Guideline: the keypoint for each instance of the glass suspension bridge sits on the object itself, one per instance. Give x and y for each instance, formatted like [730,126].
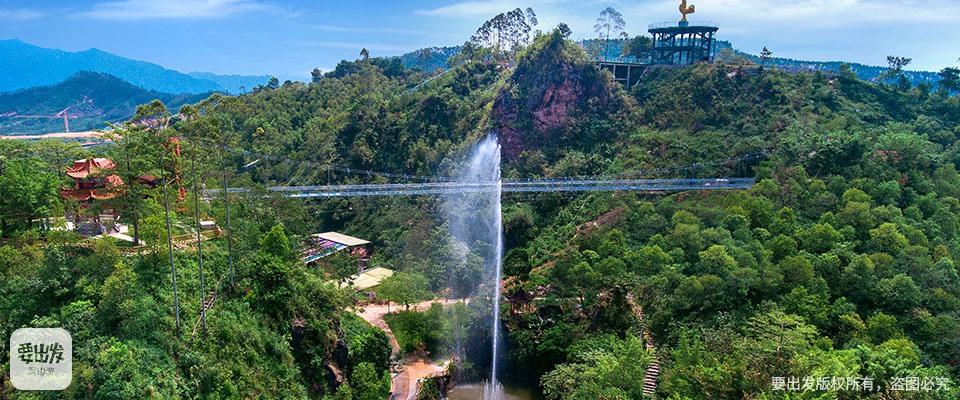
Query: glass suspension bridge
[505,186]
[663,180]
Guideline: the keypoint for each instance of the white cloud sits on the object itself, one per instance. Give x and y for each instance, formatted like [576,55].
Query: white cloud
[169,9]
[20,14]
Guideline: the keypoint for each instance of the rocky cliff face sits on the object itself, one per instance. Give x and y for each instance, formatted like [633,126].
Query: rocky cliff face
[552,87]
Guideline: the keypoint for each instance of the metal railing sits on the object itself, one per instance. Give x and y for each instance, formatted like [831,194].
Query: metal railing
[621,60]
[506,186]
[676,24]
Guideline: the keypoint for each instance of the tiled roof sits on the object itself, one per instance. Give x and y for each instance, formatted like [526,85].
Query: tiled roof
[82,168]
[86,194]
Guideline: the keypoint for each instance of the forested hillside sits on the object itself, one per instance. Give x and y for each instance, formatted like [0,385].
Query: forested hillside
[88,99]
[839,262]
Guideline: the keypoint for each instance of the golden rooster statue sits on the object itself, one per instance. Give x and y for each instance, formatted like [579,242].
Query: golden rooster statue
[686,10]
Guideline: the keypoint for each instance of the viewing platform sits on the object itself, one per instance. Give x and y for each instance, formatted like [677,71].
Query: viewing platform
[683,42]
[626,70]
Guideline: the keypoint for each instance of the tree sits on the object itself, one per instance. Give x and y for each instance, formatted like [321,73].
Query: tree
[765,56]
[716,261]
[373,347]
[564,30]
[134,159]
[29,188]
[506,32]
[273,83]
[610,23]
[531,19]
[886,238]
[583,277]
[316,75]
[404,288]
[949,81]
[640,47]
[604,367]
[846,71]
[368,384]
[275,242]
[779,336]
[819,238]
[897,63]
[883,327]
[364,53]
[895,68]
[154,120]
[899,294]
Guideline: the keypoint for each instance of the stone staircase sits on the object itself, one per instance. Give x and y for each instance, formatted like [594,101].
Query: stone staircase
[653,370]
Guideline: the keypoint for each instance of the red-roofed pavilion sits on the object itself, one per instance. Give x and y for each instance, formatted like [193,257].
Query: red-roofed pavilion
[88,188]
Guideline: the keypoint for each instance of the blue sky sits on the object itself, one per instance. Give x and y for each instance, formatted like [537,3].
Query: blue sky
[287,39]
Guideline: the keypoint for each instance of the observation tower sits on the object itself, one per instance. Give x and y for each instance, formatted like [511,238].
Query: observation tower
[683,42]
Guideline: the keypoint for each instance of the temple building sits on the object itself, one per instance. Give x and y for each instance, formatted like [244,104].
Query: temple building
[90,183]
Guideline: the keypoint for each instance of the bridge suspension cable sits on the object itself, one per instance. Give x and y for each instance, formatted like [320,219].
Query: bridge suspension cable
[506,186]
[680,171]
[676,178]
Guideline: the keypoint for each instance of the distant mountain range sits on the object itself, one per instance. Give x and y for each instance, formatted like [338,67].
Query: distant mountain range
[23,65]
[865,72]
[87,99]
[430,59]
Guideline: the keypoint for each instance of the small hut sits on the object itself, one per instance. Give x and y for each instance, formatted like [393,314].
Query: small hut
[320,245]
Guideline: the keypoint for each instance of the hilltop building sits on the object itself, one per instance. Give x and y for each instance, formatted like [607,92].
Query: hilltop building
[683,42]
[674,44]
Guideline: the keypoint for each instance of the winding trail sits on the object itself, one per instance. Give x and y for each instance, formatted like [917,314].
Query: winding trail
[404,382]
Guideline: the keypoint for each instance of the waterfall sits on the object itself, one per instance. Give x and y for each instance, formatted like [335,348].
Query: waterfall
[476,223]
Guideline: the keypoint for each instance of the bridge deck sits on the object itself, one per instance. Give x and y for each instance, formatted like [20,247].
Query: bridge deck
[506,186]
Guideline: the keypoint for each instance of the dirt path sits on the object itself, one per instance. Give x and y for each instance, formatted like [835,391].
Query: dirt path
[374,313]
[414,372]
[405,382]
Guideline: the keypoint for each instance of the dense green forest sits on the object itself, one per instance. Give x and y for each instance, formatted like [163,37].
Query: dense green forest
[839,262]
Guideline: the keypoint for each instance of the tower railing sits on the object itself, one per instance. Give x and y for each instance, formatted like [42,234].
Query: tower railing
[675,24]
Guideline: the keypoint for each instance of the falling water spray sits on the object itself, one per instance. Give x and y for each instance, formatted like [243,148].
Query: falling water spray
[476,224]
